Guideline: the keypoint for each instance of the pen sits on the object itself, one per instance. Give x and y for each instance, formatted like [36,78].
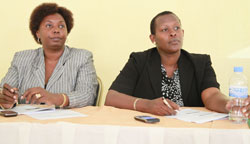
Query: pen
[166,102]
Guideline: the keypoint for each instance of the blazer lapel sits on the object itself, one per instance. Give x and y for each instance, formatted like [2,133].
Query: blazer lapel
[186,73]
[58,71]
[39,68]
[154,69]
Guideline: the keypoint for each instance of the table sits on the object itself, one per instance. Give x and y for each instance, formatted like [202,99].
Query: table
[111,125]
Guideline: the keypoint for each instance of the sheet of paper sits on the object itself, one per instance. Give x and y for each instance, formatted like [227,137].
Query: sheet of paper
[191,115]
[56,114]
[27,109]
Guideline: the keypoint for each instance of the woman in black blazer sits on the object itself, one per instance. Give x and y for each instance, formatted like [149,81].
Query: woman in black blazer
[162,79]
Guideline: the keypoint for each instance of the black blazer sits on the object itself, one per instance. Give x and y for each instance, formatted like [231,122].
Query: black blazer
[141,77]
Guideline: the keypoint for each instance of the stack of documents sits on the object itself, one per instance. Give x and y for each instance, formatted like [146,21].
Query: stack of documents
[44,112]
[29,109]
[191,115]
[57,114]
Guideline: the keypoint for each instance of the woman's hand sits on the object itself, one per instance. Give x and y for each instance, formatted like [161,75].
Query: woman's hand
[8,96]
[244,109]
[158,107]
[38,95]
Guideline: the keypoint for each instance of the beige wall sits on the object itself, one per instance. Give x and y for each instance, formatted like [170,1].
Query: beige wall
[112,29]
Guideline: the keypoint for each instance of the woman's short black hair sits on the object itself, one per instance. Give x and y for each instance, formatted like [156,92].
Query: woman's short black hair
[152,24]
[46,9]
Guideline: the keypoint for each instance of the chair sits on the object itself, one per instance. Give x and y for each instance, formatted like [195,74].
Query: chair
[98,92]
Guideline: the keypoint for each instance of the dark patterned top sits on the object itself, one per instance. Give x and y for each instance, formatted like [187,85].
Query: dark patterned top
[171,87]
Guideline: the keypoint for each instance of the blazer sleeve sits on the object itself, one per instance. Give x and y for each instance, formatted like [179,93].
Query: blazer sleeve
[209,77]
[126,81]
[86,83]
[11,76]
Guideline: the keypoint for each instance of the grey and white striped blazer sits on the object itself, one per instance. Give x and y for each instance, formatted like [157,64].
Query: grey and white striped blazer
[73,75]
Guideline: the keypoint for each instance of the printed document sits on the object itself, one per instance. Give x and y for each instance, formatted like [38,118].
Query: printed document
[44,112]
[56,114]
[29,108]
[197,116]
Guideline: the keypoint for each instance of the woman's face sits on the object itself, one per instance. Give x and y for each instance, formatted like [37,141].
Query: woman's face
[52,32]
[168,34]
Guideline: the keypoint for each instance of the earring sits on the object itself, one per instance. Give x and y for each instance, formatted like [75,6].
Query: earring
[38,40]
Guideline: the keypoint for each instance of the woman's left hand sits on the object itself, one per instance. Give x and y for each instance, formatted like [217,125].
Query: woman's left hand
[39,95]
[246,109]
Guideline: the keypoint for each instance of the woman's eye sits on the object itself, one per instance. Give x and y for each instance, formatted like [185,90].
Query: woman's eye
[48,25]
[176,28]
[164,30]
[61,26]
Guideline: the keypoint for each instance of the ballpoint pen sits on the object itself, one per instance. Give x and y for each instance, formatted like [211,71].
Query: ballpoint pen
[166,102]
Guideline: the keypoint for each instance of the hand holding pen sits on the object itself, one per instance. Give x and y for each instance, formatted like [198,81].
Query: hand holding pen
[8,96]
[158,106]
[176,107]
[166,102]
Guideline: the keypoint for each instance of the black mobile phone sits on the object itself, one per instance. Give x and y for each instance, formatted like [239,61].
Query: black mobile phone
[8,113]
[147,119]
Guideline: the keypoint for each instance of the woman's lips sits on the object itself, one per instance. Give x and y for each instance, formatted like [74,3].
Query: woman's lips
[174,41]
[55,39]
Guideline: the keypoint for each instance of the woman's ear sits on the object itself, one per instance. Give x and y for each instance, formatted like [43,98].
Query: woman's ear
[37,34]
[38,37]
[152,38]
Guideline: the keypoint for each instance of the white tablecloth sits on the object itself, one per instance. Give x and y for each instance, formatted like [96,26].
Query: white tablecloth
[109,125]
[69,133]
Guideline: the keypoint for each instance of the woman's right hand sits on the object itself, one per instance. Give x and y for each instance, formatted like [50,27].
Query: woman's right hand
[158,107]
[8,96]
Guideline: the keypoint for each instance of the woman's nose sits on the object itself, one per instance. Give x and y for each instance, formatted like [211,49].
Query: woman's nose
[173,33]
[56,30]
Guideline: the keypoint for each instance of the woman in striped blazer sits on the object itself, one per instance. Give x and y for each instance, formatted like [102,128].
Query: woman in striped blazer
[54,74]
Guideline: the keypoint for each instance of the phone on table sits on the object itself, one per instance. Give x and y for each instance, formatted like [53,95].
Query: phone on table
[8,113]
[147,119]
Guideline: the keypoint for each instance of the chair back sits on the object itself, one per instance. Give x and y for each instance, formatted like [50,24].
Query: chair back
[98,92]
